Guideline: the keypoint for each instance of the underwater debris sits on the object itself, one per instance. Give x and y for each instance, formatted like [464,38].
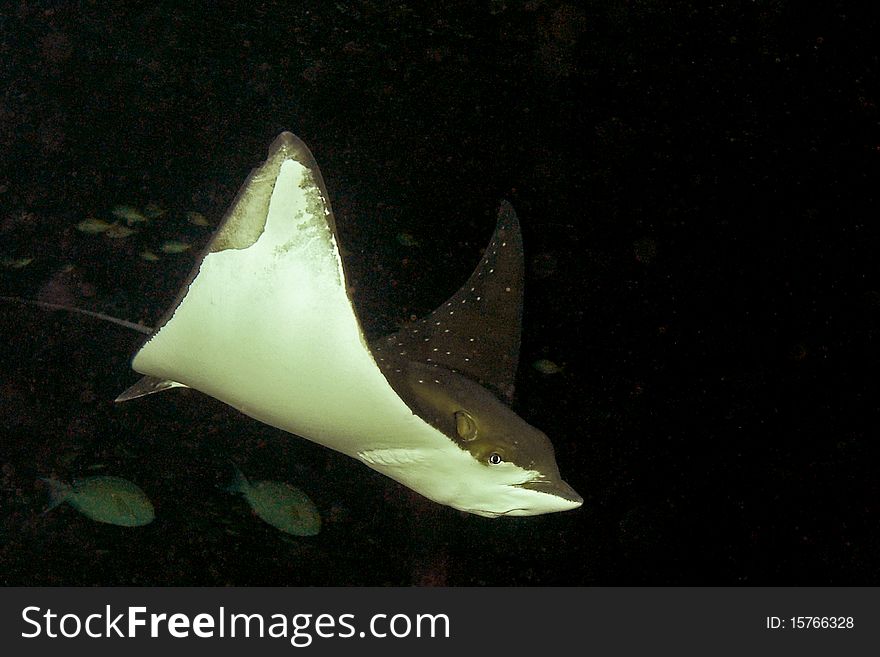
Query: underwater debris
[645,250]
[406,239]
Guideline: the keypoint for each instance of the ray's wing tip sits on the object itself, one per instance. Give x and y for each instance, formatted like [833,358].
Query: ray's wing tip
[507,215]
[288,145]
[286,140]
[127,395]
[505,207]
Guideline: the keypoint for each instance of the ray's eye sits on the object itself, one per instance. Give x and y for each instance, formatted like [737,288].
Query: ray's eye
[495,458]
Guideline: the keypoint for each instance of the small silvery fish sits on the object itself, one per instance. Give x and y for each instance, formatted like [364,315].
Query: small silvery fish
[119,232]
[113,500]
[16,263]
[173,246]
[197,218]
[546,366]
[153,211]
[279,504]
[92,225]
[131,214]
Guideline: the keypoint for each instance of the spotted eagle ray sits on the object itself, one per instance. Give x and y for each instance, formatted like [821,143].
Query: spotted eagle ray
[265,324]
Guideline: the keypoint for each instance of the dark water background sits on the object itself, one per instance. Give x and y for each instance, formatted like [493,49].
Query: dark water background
[697,187]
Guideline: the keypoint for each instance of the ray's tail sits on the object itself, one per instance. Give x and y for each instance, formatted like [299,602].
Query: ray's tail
[134,326]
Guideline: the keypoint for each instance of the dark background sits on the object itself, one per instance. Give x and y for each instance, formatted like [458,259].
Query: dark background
[696,184]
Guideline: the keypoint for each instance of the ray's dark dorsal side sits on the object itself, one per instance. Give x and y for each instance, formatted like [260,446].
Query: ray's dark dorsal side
[456,366]
[476,332]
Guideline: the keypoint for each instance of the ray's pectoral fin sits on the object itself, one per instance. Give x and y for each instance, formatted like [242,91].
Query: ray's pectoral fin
[147,385]
[477,331]
[455,369]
